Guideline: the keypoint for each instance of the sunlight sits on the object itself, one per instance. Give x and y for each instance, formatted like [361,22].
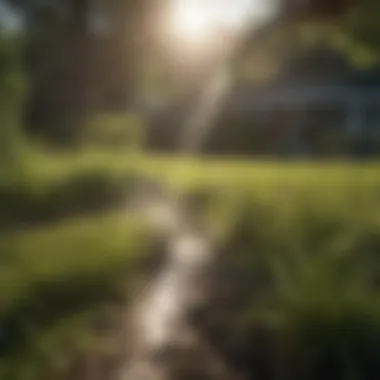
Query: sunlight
[197,20]
[193,21]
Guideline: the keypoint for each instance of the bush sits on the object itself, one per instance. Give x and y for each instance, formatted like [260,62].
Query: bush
[117,131]
[46,192]
[13,88]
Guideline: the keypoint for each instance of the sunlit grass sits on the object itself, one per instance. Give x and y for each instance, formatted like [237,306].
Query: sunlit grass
[306,236]
[75,248]
[53,280]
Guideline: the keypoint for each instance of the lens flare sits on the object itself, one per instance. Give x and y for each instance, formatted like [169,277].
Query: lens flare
[198,18]
[193,21]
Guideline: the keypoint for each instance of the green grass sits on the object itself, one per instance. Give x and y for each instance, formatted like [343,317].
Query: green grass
[51,187]
[304,236]
[54,278]
[306,239]
[75,248]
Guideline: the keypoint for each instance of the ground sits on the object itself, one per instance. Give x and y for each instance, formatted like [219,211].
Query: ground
[303,239]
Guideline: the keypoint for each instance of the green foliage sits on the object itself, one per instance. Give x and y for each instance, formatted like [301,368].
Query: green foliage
[55,278]
[304,240]
[51,279]
[116,131]
[45,191]
[12,95]
[73,68]
[356,33]
[362,24]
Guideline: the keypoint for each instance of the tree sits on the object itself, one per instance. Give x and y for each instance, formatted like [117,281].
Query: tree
[73,67]
[12,93]
[359,32]
[355,32]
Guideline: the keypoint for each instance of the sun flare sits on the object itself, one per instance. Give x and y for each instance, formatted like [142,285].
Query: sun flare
[198,20]
[193,21]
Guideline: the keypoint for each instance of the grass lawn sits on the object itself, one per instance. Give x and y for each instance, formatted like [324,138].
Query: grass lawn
[305,236]
[55,279]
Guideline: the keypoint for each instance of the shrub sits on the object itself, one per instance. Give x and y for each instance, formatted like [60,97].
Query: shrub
[39,196]
[117,131]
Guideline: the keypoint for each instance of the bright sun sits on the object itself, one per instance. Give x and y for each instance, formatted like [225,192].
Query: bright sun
[197,24]
[198,19]
[193,20]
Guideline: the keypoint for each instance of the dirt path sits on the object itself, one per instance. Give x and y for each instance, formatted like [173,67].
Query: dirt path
[163,344]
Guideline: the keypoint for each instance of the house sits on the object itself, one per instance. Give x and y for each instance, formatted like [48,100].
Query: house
[317,99]
[318,105]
